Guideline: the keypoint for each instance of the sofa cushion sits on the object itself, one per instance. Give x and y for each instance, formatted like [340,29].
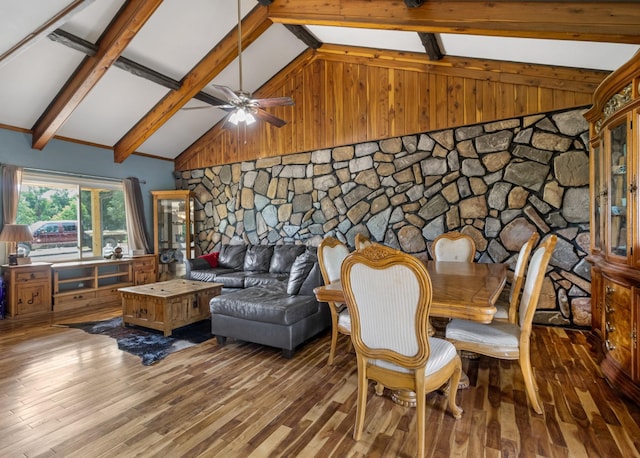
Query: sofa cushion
[284,256]
[258,258]
[233,279]
[269,305]
[299,271]
[264,279]
[208,274]
[232,256]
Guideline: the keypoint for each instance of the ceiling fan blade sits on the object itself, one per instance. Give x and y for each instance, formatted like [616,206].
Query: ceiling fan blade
[274,102]
[265,116]
[204,107]
[231,96]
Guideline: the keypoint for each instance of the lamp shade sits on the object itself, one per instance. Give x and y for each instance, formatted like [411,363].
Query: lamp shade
[16,233]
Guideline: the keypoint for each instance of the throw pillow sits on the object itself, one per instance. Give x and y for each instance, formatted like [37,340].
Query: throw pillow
[299,271]
[211,258]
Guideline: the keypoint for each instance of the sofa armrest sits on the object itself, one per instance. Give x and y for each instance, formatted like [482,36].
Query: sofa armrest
[194,264]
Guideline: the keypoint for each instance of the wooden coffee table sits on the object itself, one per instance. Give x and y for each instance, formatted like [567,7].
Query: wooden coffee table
[167,305]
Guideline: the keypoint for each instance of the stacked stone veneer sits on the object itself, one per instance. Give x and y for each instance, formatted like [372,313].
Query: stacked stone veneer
[497,182]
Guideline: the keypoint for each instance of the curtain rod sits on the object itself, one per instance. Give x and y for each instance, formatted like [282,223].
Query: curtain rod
[75,175]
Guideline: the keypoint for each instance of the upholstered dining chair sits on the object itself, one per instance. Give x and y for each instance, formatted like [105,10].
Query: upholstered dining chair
[508,340]
[331,253]
[507,305]
[453,246]
[389,297]
[362,241]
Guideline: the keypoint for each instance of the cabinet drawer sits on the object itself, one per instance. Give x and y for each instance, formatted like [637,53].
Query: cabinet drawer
[33,275]
[144,264]
[618,339]
[73,301]
[110,295]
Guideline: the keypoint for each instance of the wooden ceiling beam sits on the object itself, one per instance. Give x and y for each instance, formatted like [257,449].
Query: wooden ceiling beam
[617,22]
[304,35]
[253,25]
[431,45]
[75,42]
[111,44]
[547,76]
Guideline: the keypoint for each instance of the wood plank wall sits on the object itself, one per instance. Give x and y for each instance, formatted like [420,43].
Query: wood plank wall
[350,95]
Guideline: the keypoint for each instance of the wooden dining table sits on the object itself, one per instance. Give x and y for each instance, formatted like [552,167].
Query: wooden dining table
[459,290]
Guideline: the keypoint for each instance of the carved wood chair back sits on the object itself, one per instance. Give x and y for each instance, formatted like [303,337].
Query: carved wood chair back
[453,246]
[388,293]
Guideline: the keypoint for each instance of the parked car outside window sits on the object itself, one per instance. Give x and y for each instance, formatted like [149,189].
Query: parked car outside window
[51,234]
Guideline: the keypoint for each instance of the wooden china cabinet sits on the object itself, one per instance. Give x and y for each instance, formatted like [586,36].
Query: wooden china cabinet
[173,231]
[615,227]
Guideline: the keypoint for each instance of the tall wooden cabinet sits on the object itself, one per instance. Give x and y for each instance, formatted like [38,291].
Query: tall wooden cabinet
[615,226]
[173,229]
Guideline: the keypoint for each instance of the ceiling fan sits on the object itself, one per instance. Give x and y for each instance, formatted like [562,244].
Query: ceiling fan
[242,107]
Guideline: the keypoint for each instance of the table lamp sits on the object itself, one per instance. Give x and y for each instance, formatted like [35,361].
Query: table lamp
[12,234]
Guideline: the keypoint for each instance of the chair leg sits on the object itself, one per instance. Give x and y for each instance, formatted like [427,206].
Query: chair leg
[334,337]
[362,398]
[529,381]
[454,381]
[421,407]
[334,343]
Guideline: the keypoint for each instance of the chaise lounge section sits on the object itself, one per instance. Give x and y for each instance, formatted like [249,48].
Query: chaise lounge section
[267,294]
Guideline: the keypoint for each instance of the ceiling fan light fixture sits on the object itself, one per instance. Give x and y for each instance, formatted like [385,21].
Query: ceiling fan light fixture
[241,115]
[233,117]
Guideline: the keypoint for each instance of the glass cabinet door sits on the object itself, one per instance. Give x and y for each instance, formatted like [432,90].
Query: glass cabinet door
[617,228]
[173,237]
[597,196]
[172,227]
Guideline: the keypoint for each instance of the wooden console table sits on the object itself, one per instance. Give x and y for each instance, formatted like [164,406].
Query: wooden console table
[168,305]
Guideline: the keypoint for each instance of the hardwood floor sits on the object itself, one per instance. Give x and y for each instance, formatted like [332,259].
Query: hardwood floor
[72,394]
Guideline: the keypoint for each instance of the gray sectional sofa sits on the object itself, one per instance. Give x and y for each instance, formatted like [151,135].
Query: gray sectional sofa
[267,295]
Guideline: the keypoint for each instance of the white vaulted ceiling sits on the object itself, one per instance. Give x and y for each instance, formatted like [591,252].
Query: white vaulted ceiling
[179,33]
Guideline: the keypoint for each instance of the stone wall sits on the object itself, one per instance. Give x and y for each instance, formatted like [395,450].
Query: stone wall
[496,182]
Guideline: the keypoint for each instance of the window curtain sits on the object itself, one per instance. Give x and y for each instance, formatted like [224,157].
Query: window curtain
[11,183]
[136,224]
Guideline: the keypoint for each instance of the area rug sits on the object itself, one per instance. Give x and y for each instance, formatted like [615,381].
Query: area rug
[150,345]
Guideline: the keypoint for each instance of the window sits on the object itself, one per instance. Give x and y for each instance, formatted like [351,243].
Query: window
[71,218]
